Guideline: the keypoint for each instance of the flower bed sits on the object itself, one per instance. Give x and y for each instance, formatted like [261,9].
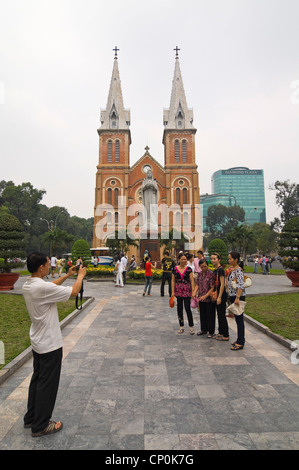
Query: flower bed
[100,270]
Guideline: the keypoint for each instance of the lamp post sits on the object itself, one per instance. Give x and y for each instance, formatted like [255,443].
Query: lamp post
[51,226]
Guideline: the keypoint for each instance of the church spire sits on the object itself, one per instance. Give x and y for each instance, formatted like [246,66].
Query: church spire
[178,116]
[115,116]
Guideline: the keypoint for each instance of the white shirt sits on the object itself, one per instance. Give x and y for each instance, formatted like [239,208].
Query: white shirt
[53,261]
[41,298]
[124,262]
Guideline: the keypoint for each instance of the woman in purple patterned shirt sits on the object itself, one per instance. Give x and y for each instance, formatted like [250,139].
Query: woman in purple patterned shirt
[182,287]
[203,290]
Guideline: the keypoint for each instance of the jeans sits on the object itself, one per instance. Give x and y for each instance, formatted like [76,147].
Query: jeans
[181,302]
[166,277]
[43,389]
[148,284]
[240,324]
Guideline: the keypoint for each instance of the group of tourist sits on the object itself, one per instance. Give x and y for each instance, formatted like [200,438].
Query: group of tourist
[208,291]
[195,285]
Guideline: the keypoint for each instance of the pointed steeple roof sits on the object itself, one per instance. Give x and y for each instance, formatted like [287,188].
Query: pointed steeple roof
[115,116]
[178,116]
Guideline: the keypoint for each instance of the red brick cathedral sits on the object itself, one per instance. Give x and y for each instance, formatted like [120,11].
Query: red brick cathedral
[118,191]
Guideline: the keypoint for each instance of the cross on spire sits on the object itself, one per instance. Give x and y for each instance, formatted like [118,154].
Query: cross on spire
[176,52]
[115,52]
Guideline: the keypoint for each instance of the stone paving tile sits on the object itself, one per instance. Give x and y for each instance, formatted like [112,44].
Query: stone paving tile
[129,382]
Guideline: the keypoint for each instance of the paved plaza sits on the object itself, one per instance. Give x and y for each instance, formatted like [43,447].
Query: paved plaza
[129,381]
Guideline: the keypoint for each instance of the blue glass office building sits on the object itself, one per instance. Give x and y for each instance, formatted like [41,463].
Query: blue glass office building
[246,187]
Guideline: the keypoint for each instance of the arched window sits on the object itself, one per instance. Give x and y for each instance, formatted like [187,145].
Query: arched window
[117,150]
[109,195]
[185,196]
[110,151]
[178,196]
[116,192]
[184,150]
[176,151]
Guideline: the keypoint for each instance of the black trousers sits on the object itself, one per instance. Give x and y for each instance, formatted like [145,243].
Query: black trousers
[222,321]
[166,277]
[181,302]
[207,317]
[43,389]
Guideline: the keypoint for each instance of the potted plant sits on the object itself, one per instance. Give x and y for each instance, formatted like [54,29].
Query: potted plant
[12,245]
[289,249]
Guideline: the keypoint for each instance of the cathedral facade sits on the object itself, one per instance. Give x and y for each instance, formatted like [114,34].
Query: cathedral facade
[118,191]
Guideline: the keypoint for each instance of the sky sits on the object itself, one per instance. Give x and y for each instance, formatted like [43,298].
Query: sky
[240,68]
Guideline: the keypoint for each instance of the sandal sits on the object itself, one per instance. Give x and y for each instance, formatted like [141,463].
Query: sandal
[211,335]
[221,338]
[200,333]
[236,347]
[50,429]
[181,330]
[192,331]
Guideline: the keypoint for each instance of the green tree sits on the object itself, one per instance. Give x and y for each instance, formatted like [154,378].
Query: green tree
[218,246]
[221,219]
[12,244]
[57,240]
[287,198]
[174,243]
[81,248]
[289,244]
[120,245]
[240,238]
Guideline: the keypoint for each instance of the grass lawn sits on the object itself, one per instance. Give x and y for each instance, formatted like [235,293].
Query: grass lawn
[15,323]
[280,313]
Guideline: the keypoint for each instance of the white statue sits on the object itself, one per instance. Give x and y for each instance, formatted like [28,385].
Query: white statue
[150,200]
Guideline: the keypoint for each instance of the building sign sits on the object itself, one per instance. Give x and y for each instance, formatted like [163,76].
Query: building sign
[241,171]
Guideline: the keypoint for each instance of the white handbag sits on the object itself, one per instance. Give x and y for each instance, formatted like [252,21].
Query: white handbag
[237,309]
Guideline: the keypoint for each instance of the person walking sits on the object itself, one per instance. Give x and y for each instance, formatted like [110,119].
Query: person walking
[256,264]
[235,273]
[221,298]
[264,264]
[124,261]
[119,273]
[45,335]
[148,275]
[167,265]
[182,286]
[204,287]
[53,265]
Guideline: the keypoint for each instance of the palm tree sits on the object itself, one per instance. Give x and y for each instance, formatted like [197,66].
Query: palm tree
[240,238]
[174,244]
[57,239]
[120,245]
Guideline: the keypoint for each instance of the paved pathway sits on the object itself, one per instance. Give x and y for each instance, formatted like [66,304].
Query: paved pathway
[130,382]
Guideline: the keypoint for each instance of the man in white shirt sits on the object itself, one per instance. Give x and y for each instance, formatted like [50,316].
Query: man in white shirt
[53,265]
[46,340]
[124,261]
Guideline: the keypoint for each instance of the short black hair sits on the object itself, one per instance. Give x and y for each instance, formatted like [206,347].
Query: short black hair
[166,253]
[199,251]
[202,261]
[35,260]
[235,255]
[182,254]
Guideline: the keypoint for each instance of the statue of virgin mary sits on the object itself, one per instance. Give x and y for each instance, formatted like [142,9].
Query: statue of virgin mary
[150,200]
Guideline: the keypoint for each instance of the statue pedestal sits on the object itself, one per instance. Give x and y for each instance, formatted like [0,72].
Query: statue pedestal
[153,247]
